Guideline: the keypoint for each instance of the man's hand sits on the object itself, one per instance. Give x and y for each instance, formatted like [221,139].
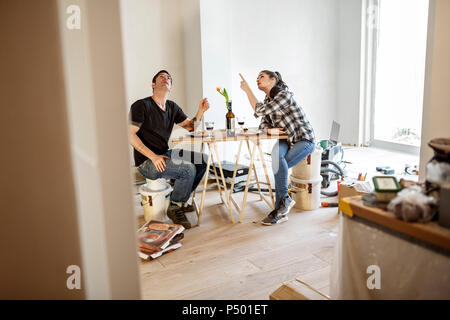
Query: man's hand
[276,131]
[159,163]
[204,105]
[244,84]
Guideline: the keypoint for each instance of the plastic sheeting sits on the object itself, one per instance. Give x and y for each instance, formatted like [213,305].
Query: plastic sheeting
[409,269]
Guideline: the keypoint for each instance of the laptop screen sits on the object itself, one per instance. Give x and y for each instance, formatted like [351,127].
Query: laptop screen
[334,135]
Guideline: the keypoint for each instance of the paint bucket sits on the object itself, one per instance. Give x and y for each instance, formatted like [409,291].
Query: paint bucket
[306,193]
[157,184]
[155,198]
[309,168]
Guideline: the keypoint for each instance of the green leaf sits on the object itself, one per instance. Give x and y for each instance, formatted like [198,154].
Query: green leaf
[225,94]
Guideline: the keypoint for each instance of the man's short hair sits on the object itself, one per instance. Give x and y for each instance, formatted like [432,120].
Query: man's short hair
[159,72]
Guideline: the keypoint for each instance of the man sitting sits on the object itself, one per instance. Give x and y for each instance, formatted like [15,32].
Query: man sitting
[152,121]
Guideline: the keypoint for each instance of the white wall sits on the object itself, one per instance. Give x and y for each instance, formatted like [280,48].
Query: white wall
[315,45]
[436,106]
[153,39]
[193,69]
[297,38]
[215,23]
[215,18]
[349,112]
[163,34]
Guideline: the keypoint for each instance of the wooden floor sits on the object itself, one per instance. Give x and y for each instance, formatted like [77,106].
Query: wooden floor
[222,260]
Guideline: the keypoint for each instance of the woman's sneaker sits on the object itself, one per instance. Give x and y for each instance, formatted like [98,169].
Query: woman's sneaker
[285,205]
[273,218]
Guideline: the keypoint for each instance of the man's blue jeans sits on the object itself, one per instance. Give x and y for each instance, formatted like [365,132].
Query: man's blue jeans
[185,167]
[284,158]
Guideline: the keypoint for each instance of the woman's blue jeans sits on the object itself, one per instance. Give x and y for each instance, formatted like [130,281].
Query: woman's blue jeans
[284,158]
[185,167]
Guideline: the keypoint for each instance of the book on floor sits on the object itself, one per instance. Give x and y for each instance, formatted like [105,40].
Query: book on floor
[155,236]
[173,245]
[168,249]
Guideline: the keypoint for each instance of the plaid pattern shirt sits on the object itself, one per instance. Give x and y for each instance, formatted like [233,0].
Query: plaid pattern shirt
[283,112]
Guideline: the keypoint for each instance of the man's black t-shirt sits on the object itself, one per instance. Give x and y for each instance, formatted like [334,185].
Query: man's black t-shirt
[155,125]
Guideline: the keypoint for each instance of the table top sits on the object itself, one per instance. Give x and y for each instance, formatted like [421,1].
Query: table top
[220,136]
[430,232]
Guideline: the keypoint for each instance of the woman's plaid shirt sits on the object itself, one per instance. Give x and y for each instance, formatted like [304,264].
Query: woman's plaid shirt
[283,112]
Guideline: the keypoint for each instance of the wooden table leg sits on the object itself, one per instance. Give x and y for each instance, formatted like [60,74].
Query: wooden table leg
[256,174]
[234,176]
[252,157]
[204,185]
[267,176]
[224,183]
[219,186]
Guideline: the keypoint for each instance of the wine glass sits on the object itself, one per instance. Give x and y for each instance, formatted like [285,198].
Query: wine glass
[210,127]
[241,121]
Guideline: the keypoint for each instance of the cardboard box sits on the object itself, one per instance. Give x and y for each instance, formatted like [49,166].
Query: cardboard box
[355,188]
[297,290]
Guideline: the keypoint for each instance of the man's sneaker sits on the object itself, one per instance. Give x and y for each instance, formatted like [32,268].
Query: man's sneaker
[273,218]
[176,214]
[285,205]
[188,208]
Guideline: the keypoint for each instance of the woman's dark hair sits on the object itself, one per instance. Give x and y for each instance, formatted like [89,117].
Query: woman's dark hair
[279,83]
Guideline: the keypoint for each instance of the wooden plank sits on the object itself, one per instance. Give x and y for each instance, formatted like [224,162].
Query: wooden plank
[260,294]
[220,136]
[219,186]
[285,255]
[213,252]
[429,232]
[235,204]
[317,278]
[256,174]
[252,158]
[150,267]
[204,186]
[235,168]
[224,184]
[242,285]
[326,253]
[174,285]
[267,175]
[297,290]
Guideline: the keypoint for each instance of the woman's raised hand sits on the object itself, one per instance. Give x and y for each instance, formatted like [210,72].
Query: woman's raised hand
[244,84]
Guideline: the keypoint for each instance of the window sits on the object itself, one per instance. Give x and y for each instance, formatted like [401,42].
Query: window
[399,68]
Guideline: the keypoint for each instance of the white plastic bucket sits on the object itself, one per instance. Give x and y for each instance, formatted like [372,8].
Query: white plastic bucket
[156,185]
[309,168]
[155,203]
[306,193]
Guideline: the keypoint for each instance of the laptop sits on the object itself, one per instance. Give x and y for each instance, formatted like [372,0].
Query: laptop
[334,134]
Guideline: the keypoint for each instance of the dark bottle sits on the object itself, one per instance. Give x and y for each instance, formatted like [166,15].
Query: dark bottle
[230,119]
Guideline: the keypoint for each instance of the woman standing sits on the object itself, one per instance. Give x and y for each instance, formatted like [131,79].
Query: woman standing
[281,116]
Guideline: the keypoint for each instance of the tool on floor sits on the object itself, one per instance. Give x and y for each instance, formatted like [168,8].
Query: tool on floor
[385,170]
[330,204]
[362,177]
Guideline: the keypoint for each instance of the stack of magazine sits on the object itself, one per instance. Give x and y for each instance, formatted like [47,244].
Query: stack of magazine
[156,238]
